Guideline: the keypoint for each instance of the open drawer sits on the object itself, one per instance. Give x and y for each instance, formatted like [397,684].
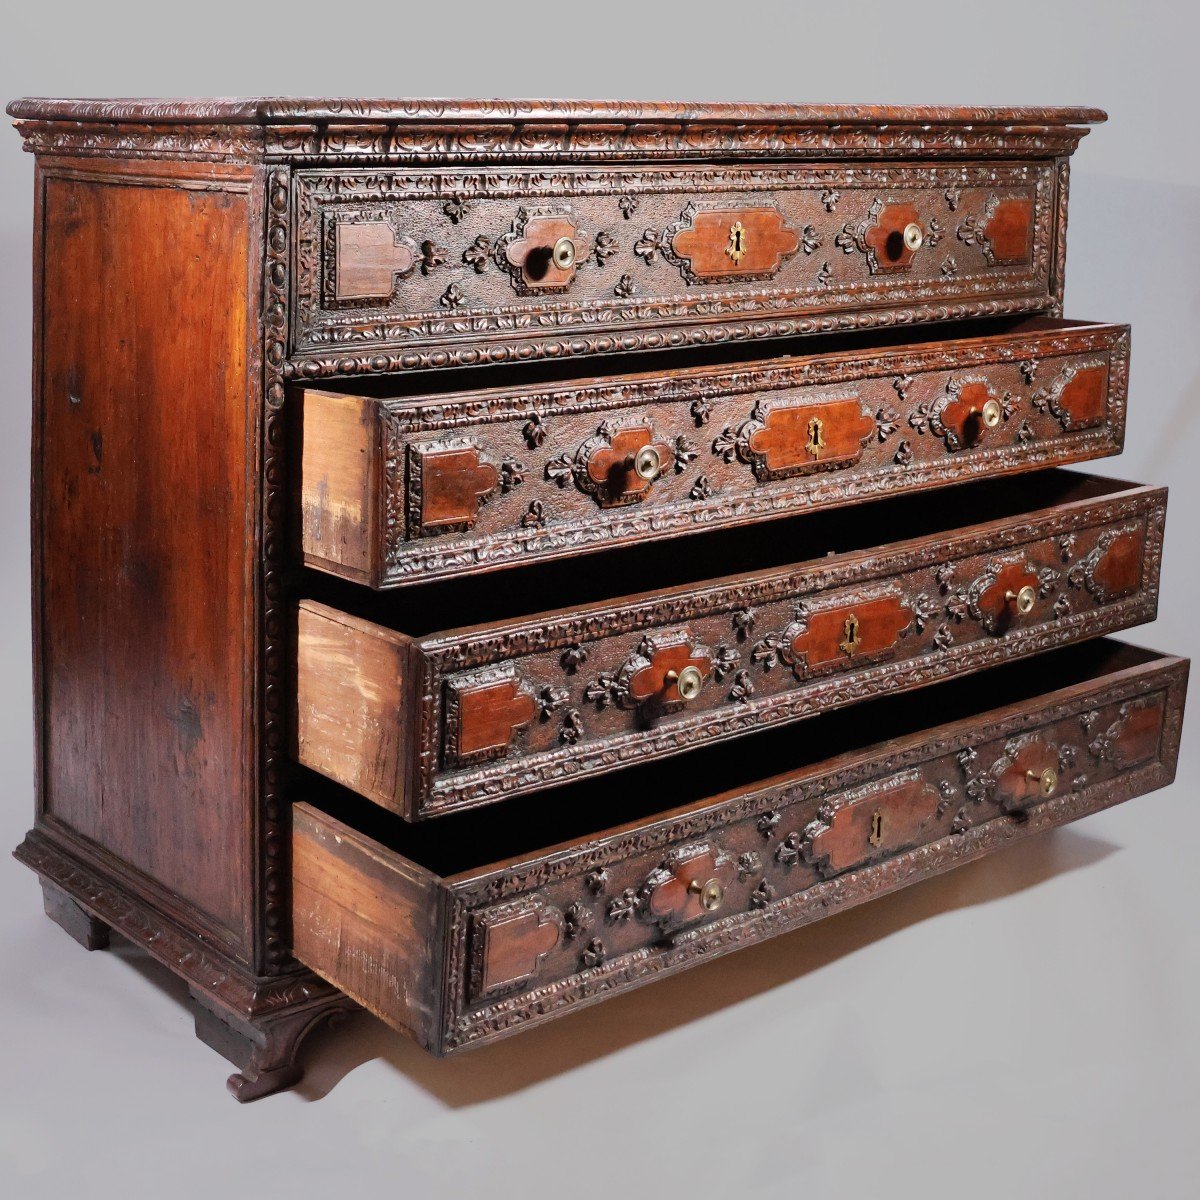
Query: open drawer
[744,628]
[398,488]
[455,950]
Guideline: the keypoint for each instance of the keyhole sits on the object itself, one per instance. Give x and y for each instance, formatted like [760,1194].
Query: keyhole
[849,642]
[876,827]
[816,441]
[737,242]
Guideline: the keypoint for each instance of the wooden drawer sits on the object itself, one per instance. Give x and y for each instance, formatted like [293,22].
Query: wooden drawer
[395,491]
[425,722]
[409,921]
[397,269]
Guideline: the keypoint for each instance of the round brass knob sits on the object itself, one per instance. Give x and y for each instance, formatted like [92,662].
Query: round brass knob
[1025,598]
[647,464]
[711,894]
[564,254]
[688,683]
[914,236]
[991,413]
[1046,780]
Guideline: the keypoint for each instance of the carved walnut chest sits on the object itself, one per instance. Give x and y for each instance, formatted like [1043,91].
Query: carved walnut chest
[482,551]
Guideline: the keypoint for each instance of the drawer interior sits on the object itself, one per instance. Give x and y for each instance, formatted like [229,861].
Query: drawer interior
[719,554]
[422,385]
[527,826]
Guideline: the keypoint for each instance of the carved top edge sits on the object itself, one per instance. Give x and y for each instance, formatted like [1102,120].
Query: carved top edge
[276,110]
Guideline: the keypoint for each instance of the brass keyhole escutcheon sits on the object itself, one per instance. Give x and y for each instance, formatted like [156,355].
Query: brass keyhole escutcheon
[688,682]
[850,640]
[1046,780]
[647,464]
[914,237]
[816,438]
[564,254]
[1024,599]
[876,837]
[711,894]
[737,242]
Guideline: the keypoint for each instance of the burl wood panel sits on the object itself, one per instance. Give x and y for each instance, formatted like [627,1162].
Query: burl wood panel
[737,445]
[584,921]
[144,486]
[350,685]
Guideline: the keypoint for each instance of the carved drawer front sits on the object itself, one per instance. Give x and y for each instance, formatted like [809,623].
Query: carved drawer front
[467,717]
[463,956]
[397,491]
[413,269]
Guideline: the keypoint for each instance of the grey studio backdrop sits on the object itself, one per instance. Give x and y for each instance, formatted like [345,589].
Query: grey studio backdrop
[1026,1025]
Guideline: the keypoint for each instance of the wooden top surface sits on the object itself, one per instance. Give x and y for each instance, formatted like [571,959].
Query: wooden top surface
[277,110]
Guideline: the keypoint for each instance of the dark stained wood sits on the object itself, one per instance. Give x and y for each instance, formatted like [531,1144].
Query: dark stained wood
[998,600]
[732,441]
[90,932]
[462,959]
[1010,230]
[1119,569]
[850,633]
[1082,398]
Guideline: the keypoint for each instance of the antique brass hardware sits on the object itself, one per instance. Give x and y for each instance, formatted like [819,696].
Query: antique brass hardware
[564,254]
[688,682]
[876,827]
[1025,598]
[914,236]
[737,242]
[816,439]
[711,894]
[850,639]
[1046,780]
[991,413]
[647,464]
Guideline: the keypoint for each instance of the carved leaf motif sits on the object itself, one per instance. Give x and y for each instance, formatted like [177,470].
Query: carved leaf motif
[685,454]
[900,386]
[535,431]
[452,297]
[596,881]
[847,240]
[1048,579]
[726,444]
[476,255]
[573,657]
[572,728]
[512,475]
[966,757]
[593,956]
[535,516]
[762,895]
[829,198]
[701,489]
[767,823]
[1066,546]
[727,660]
[768,652]
[649,245]
[953,195]
[944,576]
[824,275]
[551,698]
[560,470]
[628,205]
[456,208]
[886,420]
[1062,606]
[924,610]
[605,690]
[743,688]
[919,418]
[1025,433]
[622,907]
[943,638]
[958,607]
[701,410]
[1028,369]
[432,255]
[904,454]
[949,267]
[625,287]
[604,247]
[788,851]
[743,622]
[809,239]
[577,920]
[749,863]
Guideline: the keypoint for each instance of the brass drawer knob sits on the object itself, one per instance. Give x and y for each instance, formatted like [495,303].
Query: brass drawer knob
[991,413]
[711,893]
[688,682]
[647,464]
[1046,780]
[914,236]
[1025,598]
[564,254]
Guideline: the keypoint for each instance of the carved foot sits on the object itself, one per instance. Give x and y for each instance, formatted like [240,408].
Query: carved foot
[88,931]
[265,1049]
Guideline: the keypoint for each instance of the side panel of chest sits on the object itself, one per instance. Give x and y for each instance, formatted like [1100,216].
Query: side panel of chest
[143,537]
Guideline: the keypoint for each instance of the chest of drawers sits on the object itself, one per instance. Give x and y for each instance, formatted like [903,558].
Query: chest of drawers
[481,549]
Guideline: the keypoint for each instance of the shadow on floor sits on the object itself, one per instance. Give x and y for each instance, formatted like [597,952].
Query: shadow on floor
[562,1045]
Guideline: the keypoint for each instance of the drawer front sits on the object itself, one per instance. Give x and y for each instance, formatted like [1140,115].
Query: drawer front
[454,268]
[530,940]
[497,711]
[398,492]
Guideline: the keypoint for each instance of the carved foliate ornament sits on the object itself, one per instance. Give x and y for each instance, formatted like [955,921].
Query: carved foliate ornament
[688,885]
[656,677]
[620,464]
[543,250]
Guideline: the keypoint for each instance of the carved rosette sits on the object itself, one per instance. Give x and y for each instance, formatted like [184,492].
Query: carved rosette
[526,251]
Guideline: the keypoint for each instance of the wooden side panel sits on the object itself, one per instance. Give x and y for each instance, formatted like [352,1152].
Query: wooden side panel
[368,921]
[143,498]
[351,681]
[338,480]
